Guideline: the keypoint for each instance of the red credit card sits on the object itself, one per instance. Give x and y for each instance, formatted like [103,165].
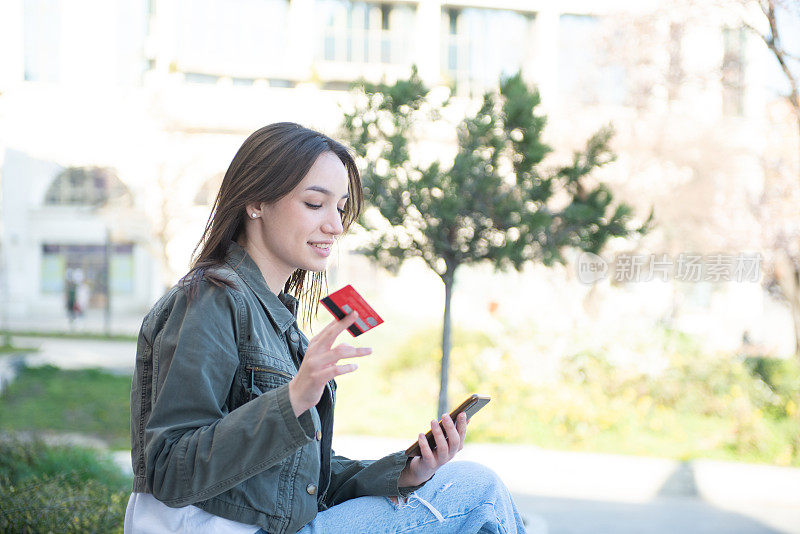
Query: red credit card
[347,299]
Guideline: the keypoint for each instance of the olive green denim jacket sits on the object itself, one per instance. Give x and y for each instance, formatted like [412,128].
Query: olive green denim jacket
[211,421]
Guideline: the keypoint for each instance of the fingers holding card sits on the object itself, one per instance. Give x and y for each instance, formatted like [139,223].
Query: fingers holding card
[345,300]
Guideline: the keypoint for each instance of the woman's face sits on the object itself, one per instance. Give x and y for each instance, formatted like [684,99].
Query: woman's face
[298,230]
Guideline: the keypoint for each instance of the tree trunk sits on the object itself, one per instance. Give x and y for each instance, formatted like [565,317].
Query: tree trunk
[796,317]
[448,280]
[794,304]
[787,274]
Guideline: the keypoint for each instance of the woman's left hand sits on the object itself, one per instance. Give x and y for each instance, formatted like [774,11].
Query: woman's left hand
[422,468]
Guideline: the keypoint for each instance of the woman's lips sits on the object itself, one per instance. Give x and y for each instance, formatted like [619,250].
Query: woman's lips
[323,249]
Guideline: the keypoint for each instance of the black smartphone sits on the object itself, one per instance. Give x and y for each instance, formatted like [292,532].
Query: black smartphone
[470,406]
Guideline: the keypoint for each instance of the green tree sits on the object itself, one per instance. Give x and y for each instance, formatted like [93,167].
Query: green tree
[494,203]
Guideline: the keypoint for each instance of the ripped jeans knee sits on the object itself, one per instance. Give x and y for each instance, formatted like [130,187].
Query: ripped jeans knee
[414,500]
[461,497]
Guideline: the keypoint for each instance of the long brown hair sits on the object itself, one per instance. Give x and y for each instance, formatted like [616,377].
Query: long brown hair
[269,164]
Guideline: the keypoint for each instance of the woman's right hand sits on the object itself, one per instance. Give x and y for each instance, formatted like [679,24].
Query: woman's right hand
[319,364]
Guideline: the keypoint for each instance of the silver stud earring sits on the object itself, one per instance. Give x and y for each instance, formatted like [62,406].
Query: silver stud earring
[253,215]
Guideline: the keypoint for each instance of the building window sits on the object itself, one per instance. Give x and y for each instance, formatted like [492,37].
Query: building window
[87,264]
[41,40]
[733,65]
[132,28]
[200,78]
[150,14]
[482,45]
[452,41]
[241,38]
[366,32]
[585,74]
[86,186]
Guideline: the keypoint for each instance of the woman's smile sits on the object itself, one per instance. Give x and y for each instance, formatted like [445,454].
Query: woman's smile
[323,249]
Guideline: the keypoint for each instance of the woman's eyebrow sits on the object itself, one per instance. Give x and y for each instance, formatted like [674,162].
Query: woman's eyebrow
[323,190]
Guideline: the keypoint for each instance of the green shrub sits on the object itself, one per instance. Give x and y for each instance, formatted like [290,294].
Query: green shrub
[781,375]
[422,351]
[59,489]
[21,459]
[61,504]
[694,404]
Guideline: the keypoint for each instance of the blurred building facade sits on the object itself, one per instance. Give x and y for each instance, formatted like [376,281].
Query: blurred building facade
[118,118]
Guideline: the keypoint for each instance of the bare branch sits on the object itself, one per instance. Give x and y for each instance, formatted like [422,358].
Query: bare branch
[773,42]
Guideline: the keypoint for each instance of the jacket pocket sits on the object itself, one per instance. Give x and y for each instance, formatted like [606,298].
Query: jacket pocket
[261,379]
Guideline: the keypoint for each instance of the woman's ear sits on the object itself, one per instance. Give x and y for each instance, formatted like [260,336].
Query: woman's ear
[253,210]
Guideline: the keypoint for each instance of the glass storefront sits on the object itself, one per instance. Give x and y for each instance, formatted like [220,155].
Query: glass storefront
[88,263]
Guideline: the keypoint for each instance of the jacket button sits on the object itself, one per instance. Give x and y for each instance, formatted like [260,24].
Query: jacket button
[294,337]
[311,489]
[319,435]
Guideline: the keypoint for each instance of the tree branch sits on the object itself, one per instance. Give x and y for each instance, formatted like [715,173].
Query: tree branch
[773,42]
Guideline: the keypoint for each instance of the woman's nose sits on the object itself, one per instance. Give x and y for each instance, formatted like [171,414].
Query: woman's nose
[333,224]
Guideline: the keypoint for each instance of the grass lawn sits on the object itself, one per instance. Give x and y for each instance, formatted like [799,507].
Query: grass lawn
[394,393]
[87,401]
[401,404]
[11,349]
[404,408]
[69,335]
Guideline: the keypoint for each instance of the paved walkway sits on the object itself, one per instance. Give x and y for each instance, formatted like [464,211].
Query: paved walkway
[113,356]
[93,321]
[581,493]
[572,493]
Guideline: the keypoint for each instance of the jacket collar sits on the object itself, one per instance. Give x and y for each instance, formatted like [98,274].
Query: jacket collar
[281,308]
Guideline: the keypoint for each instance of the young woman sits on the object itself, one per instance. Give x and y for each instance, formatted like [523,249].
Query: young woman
[232,406]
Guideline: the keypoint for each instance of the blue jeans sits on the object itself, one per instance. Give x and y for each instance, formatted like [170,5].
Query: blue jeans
[463,497]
